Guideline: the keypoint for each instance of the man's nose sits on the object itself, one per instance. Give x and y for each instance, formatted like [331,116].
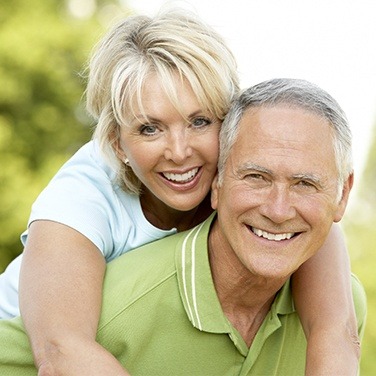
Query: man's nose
[178,147]
[278,205]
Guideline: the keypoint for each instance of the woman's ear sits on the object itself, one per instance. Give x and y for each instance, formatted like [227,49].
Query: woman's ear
[115,142]
[214,192]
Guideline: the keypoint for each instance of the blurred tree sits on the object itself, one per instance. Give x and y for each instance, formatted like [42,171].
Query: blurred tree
[367,189]
[361,234]
[43,48]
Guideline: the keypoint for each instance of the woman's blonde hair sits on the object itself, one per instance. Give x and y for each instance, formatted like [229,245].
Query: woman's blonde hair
[172,44]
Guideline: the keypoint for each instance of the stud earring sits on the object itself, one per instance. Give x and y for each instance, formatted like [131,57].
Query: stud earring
[126,161]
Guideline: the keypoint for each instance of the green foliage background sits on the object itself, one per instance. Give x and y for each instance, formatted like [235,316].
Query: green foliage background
[359,224]
[43,49]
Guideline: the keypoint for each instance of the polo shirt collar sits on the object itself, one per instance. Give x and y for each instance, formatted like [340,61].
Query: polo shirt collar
[197,288]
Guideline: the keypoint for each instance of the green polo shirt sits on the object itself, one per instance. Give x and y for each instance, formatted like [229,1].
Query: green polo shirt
[161,316]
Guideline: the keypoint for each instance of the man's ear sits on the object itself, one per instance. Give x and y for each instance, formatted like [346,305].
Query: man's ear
[347,186]
[214,192]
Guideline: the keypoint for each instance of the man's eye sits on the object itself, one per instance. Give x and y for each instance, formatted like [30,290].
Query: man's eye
[306,184]
[254,176]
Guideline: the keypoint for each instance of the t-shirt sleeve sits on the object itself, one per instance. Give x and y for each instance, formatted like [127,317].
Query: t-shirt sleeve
[82,197]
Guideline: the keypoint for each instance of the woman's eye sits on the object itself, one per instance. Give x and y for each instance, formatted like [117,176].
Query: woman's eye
[201,122]
[148,130]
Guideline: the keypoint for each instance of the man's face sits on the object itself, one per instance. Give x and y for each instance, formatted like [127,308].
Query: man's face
[279,195]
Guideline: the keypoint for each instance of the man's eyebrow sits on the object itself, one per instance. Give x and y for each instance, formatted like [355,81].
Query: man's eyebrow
[254,167]
[311,177]
[249,166]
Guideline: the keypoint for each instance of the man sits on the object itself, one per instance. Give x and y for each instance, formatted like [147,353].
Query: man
[216,300]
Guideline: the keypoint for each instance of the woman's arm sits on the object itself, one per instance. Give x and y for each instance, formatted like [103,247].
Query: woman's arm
[323,297]
[60,301]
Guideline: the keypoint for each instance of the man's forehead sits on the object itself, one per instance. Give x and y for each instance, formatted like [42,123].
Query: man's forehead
[282,127]
[283,138]
[285,110]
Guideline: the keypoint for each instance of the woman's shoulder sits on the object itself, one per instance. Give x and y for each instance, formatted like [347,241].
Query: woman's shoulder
[84,169]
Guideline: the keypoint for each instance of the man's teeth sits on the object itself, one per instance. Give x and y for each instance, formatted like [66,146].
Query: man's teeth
[269,236]
[181,178]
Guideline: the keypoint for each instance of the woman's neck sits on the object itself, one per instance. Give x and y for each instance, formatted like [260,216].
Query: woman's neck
[164,217]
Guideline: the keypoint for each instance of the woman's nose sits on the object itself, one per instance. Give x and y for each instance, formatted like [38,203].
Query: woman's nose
[178,147]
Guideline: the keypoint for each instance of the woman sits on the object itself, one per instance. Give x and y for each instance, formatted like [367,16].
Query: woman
[158,89]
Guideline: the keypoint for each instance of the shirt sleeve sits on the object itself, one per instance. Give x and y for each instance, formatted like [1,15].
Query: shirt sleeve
[81,195]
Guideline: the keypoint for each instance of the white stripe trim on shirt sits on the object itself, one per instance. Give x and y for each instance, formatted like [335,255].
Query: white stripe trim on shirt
[194,298]
[195,317]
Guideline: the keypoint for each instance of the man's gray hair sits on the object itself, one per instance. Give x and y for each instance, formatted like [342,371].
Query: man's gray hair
[295,93]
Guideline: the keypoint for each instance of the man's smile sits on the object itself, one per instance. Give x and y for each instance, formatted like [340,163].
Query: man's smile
[271,236]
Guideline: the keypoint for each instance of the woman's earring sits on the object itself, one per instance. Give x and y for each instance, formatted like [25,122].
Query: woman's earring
[126,161]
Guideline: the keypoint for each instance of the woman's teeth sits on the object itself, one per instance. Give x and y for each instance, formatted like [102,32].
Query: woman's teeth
[181,178]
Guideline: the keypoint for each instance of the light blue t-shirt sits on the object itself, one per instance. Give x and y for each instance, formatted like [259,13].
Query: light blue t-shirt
[83,195]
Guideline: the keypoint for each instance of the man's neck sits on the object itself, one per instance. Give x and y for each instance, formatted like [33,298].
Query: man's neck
[245,298]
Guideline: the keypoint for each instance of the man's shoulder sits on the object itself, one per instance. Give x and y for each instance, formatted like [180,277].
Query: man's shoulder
[147,256]
[157,256]
[142,277]
[139,273]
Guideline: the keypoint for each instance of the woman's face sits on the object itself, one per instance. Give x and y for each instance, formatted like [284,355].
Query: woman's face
[173,153]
